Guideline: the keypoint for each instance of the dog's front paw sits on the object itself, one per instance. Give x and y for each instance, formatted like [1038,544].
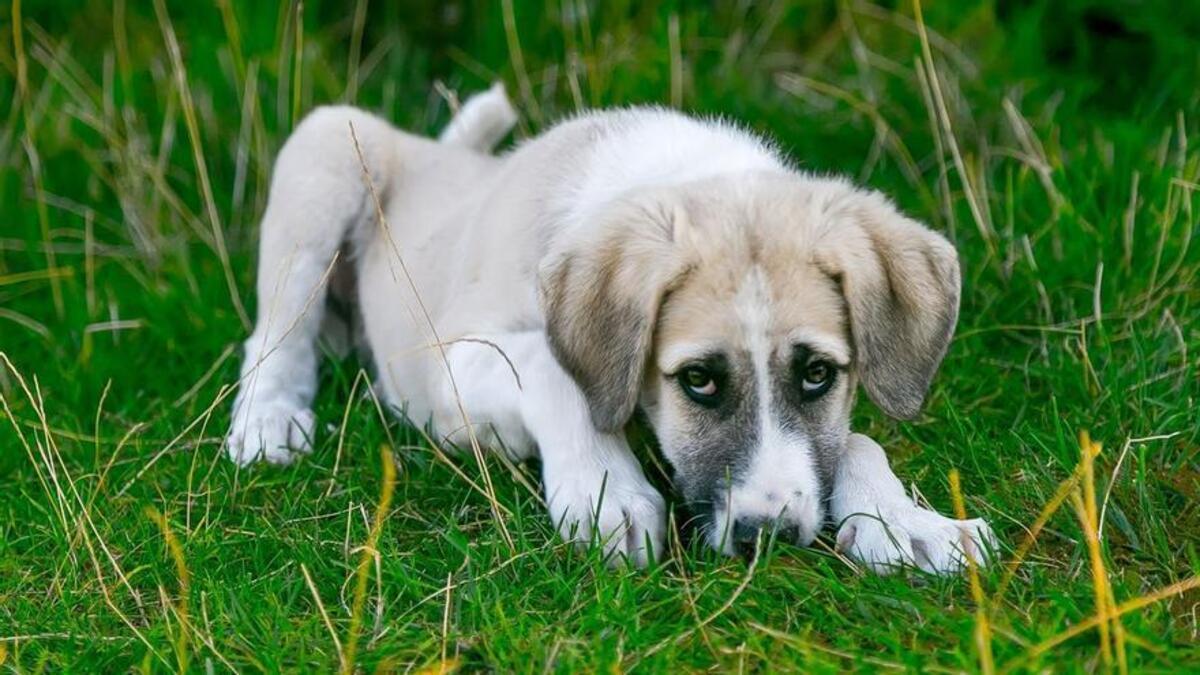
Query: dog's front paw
[625,515]
[270,432]
[905,534]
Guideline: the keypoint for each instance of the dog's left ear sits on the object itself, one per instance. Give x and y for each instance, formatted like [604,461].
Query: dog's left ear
[601,292]
[902,285]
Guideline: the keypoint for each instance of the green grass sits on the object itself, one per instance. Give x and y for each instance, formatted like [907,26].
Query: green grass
[1058,145]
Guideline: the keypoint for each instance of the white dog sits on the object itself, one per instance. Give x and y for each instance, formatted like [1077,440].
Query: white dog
[623,259]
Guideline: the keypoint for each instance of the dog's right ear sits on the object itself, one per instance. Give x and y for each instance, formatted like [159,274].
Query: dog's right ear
[901,282]
[601,293]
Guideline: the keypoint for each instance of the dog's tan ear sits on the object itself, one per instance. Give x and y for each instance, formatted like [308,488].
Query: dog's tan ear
[601,294]
[902,285]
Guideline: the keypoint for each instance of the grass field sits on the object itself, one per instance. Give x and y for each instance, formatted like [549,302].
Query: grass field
[1057,144]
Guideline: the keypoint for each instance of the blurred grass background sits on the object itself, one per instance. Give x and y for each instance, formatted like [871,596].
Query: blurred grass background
[1055,142]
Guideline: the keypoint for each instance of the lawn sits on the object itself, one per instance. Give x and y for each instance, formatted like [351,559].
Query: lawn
[1056,143]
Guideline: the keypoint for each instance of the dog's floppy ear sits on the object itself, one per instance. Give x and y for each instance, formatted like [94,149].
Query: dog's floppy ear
[902,285]
[601,294]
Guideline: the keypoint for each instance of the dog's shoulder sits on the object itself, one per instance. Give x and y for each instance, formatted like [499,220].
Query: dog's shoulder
[613,153]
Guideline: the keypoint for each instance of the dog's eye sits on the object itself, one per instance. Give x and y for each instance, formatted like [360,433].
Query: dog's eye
[699,384]
[818,378]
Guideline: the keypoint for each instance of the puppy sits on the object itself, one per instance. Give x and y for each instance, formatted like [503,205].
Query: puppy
[626,259]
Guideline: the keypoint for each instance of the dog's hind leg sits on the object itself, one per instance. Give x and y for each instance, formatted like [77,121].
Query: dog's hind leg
[319,205]
[483,120]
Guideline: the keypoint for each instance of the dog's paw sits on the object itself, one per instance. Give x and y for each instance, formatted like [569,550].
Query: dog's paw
[270,432]
[623,515]
[905,534]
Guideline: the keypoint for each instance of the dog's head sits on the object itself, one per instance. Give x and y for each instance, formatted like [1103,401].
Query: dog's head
[741,313]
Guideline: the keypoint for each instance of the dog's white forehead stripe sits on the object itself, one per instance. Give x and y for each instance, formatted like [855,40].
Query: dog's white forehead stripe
[781,479]
[753,307]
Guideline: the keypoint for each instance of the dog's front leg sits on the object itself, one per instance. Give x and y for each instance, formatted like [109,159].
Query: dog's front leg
[880,526]
[511,387]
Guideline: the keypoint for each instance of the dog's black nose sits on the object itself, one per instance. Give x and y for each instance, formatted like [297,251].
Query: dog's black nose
[746,532]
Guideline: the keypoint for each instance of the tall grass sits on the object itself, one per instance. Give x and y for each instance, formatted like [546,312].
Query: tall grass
[135,158]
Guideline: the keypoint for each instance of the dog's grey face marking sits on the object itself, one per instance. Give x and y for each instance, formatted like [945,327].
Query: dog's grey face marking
[813,392]
[722,428]
[757,446]
[719,430]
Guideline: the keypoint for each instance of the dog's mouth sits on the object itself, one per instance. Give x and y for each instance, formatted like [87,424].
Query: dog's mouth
[746,536]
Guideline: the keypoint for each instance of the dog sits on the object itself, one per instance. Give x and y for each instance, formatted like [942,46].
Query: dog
[639,258]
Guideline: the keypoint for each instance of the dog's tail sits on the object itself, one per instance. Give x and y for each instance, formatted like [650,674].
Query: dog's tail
[482,121]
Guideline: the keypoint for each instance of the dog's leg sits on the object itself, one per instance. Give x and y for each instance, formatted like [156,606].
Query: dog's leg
[511,385]
[882,527]
[318,202]
[482,121]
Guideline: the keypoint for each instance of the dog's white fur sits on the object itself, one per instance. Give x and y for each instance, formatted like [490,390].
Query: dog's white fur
[452,316]
[784,463]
